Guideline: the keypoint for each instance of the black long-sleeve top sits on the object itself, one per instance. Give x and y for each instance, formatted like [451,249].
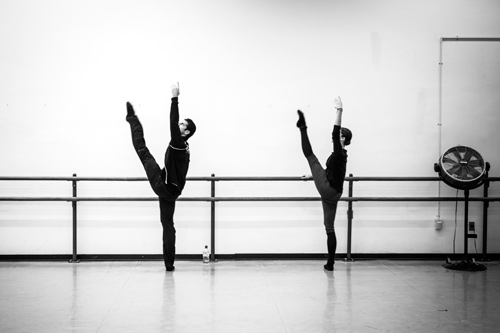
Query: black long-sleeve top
[177,155]
[337,162]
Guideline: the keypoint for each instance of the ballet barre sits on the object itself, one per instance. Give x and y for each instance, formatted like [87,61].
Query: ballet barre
[74,199]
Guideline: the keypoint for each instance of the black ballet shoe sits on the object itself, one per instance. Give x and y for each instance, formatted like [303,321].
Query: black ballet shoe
[328,267]
[170,269]
[301,123]
[130,111]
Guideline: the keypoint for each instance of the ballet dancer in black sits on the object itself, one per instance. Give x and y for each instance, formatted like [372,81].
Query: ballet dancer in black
[329,182]
[167,182]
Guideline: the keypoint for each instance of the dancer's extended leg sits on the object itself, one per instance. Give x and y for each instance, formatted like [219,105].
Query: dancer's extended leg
[317,171]
[304,138]
[152,168]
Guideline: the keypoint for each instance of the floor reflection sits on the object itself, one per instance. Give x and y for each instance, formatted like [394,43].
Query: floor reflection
[247,296]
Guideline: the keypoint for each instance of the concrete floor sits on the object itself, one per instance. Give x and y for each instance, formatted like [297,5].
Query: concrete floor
[247,296]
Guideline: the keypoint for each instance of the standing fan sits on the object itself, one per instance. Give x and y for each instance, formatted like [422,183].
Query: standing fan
[463,168]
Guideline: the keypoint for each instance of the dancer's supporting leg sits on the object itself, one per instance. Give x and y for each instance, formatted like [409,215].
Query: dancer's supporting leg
[167,208]
[329,211]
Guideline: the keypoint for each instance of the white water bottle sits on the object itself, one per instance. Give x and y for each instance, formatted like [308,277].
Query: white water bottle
[206,255]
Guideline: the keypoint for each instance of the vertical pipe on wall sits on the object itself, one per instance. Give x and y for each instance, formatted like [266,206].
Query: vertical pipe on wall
[486,185]
[440,113]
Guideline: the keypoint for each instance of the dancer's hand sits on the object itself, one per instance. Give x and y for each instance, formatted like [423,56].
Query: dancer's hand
[175,90]
[338,103]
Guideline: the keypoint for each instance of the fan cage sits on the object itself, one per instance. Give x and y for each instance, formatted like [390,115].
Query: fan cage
[462,167]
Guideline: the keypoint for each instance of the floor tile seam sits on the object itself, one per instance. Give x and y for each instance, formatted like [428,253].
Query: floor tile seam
[132,270]
[438,305]
[262,271]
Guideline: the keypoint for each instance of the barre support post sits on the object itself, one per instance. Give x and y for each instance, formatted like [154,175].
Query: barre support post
[74,258]
[212,219]
[486,205]
[349,220]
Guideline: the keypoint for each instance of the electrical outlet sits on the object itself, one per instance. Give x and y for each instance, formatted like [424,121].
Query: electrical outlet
[472,226]
[438,224]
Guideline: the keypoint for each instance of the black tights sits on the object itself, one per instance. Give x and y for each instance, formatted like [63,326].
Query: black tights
[306,145]
[332,247]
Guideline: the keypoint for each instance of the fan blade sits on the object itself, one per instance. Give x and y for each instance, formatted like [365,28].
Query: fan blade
[463,175]
[473,172]
[468,154]
[446,159]
[456,153]
[476,163]
[454,170]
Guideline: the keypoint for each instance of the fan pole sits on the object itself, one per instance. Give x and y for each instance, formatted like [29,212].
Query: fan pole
[468,264]
[466,217]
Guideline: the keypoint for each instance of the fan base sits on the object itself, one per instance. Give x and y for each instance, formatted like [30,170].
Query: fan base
[465,265]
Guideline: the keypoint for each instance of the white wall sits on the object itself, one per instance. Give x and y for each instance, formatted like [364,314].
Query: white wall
[68,67]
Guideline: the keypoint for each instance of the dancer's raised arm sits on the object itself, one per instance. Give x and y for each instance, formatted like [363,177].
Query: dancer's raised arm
[339,108]
[175,131]
[337,134]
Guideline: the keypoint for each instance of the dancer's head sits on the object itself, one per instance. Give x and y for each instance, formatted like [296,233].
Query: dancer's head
[187,128]
[346,136]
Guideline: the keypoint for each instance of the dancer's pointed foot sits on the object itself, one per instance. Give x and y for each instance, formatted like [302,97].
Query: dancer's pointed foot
[130,111]
[301,123]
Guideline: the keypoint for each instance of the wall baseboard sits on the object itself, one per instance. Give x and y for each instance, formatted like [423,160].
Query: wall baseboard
[249,256]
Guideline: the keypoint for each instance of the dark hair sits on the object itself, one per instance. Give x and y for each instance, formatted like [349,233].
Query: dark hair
[347,134]
[191,127]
